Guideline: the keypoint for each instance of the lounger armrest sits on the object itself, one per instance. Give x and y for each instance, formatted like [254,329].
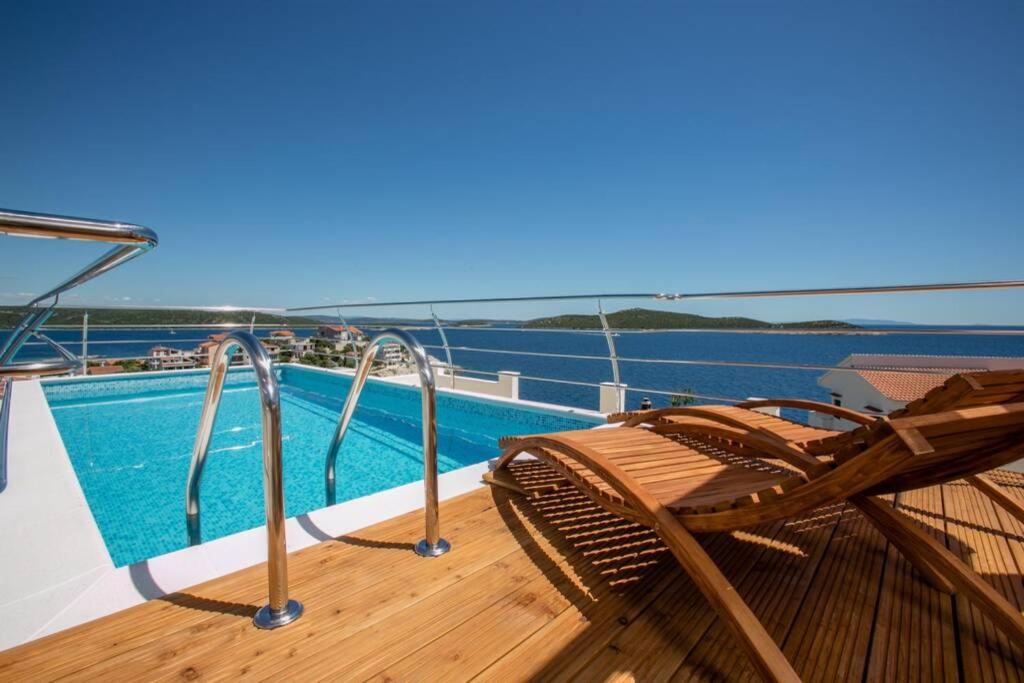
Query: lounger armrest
[815,406]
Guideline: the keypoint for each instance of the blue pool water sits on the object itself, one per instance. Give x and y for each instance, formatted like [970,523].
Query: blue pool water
[130,441]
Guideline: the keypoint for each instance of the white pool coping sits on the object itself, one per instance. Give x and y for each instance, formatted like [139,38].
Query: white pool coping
[57,572]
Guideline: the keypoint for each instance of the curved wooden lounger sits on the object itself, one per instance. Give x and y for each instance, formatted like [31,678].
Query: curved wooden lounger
[960,391]
[678,490]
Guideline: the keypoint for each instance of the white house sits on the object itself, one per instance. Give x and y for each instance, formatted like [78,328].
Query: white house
[391,354]
[881,383]
[286,340]
[166,358]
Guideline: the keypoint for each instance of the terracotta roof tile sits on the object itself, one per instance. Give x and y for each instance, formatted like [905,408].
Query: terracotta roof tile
[907,386]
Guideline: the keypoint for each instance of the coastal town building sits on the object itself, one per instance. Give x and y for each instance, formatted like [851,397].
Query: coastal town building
[204,352]
[291,345]
[882,383]
[339,333]
[391,355]
[166,358]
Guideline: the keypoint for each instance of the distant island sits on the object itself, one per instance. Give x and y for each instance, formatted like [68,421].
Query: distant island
[629,319]
[447,322]
[646,319]
[9,317]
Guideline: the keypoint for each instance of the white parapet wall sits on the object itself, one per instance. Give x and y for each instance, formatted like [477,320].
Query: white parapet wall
[612,398]
[506,386]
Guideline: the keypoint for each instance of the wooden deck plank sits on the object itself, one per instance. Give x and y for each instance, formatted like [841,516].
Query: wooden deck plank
[975,533]
[782,579]
[913,638]
[553,587]
[830,632]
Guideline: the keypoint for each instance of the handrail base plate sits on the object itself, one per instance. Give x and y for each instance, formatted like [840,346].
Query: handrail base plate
[425,549]
[268,619]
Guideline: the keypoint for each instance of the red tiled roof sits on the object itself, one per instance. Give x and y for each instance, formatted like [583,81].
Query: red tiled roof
[341,328]
[282,333]
[907,386]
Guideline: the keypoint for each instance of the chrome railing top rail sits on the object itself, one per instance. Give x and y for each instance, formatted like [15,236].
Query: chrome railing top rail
[662,296]
[129,240]
[53,226]
[132,240]
[432,545]
[280,610]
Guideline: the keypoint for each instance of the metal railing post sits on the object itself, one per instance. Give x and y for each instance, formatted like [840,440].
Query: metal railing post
[280,610]
[6,383]
[432,545]
[25,328]
[444,343]
[612,356]
[85,343]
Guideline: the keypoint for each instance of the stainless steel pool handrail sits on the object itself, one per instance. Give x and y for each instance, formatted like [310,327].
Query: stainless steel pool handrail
[39,369]
[130,240]
[5,419]
[432,545]
[280,610]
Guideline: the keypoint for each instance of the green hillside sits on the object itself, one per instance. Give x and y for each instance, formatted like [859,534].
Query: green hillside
[646,319]
[9,317]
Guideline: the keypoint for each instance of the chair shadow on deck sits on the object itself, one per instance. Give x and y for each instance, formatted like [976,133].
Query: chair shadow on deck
[593,557]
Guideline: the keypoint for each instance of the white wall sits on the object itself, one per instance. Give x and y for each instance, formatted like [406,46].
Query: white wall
[856,394]
[507,385]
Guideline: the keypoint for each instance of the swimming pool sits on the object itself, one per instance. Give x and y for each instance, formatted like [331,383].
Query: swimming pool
[130,441]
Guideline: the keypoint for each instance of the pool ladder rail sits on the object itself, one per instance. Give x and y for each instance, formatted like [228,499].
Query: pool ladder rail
[280,610]
[432,544]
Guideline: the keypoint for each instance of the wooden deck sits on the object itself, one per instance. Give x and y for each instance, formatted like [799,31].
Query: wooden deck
[555,588]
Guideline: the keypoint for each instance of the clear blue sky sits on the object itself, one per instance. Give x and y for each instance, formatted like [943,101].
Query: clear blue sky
[296,153]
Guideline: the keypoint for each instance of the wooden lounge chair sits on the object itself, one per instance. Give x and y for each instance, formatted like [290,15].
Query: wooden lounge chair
[678,489]
[960,391]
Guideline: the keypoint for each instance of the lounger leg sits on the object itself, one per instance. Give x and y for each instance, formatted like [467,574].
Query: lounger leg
[998,495]
[967,583]
[502,479]
[750,633]
[932,577]
[762,650]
